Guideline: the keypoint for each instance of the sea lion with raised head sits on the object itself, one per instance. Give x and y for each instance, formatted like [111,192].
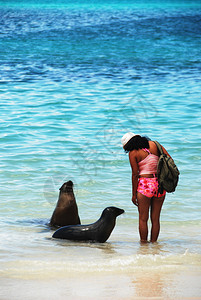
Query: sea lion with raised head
[66,211]
[95,232]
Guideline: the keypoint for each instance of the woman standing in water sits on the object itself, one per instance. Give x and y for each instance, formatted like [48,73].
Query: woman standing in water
[143,157]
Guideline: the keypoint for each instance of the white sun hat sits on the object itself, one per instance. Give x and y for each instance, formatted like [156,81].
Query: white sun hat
[126,138]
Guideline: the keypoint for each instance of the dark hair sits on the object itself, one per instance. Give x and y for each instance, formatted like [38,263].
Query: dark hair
[137,142]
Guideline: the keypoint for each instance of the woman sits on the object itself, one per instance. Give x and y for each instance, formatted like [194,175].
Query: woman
[143,156]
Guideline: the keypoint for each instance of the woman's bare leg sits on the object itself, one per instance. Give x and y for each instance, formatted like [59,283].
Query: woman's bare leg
[143,209]
[156,205]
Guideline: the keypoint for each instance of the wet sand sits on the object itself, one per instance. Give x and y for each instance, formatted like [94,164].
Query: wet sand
[160,283]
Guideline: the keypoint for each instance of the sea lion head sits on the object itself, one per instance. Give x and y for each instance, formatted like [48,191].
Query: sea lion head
[113,211]
[67,187]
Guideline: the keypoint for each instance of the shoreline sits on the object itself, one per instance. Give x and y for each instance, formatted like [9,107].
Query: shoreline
[160,283]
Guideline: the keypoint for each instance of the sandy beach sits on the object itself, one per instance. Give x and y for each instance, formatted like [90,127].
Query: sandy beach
[145,284]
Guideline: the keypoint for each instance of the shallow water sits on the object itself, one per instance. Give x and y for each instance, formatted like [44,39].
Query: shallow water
[74,78]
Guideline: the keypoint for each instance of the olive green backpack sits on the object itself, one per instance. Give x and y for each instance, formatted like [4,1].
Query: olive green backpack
[167,172]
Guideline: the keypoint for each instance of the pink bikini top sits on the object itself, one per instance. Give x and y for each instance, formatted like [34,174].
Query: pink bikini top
[149,164]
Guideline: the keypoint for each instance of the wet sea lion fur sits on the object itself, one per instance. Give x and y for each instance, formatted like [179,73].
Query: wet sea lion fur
[66,210]
[95,232]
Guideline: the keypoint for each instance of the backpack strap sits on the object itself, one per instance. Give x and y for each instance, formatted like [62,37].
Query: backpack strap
[160,149]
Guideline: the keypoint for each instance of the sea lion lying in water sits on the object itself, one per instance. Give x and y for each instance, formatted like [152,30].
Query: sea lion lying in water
[95,232]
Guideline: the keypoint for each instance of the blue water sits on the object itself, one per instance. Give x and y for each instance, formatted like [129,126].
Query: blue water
[74,78]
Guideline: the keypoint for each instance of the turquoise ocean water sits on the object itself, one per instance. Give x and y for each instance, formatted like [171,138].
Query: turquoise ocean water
[75,76]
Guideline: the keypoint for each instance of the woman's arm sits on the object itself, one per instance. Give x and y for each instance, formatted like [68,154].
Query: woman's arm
[134,167]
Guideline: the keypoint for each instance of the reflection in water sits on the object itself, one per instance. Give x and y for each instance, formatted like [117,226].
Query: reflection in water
[150,284]
[106,248]
[151,248]
[149,281]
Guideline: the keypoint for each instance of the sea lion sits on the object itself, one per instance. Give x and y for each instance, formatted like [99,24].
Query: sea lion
[66,211]
[95,232]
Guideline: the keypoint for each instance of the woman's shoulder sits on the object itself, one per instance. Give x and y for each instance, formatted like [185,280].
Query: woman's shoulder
[137,155]
[152,144]
[133,153]
[153,148]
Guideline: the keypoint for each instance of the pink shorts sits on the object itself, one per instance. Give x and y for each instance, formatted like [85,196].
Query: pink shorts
[149,187]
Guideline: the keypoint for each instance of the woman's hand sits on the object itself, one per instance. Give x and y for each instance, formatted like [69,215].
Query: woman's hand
[134,200]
